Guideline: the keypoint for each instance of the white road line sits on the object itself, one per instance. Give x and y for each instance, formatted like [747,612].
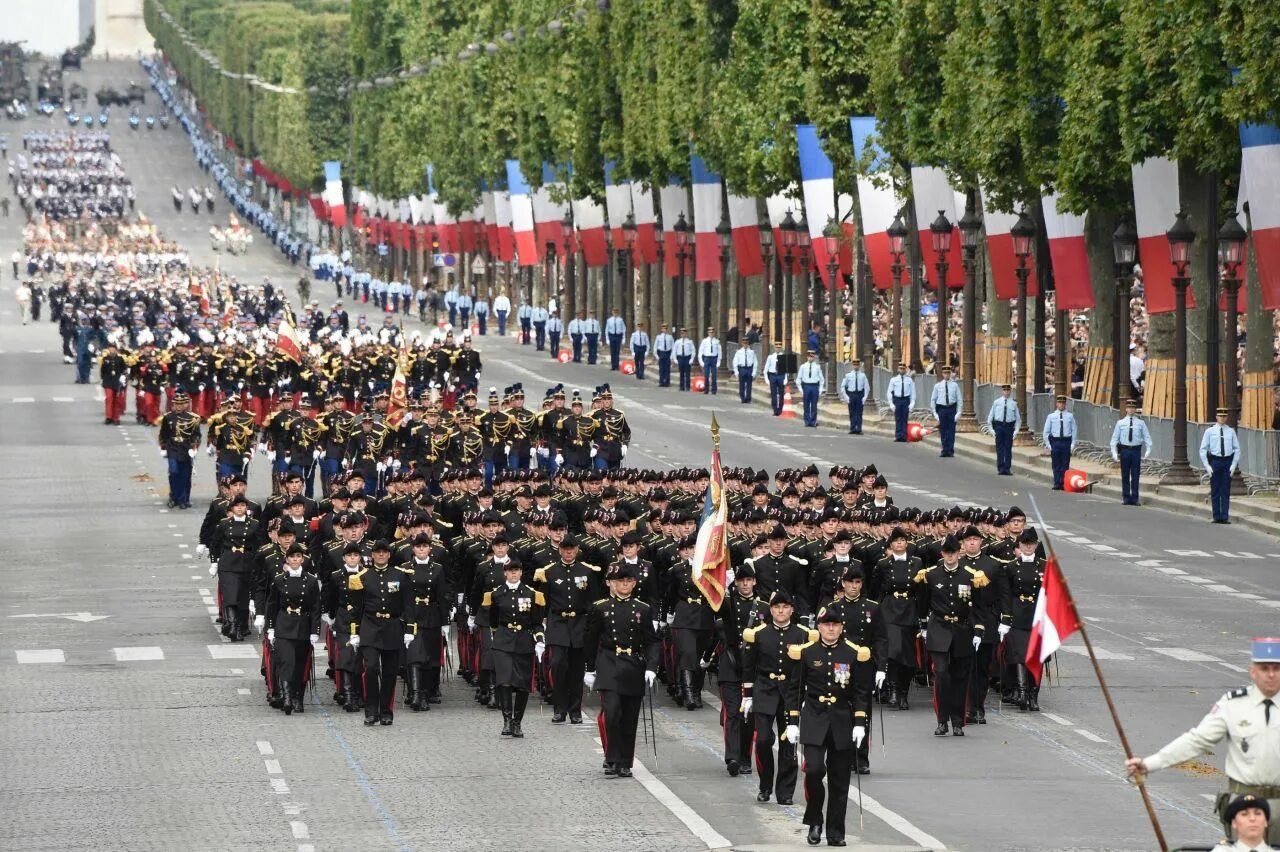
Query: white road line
[299,830]
[1200,580]
[203,592]
[1102,548]
[1100,653]
[687,815]
[280,786]
[1167,569]
[242,691]
[1187,655]
[48,655]
[1272,604]
[63,399]
[24,399]
[1061,720]
[1088,735]
[273,767]
[237,671]
[138,654]
[265,749]
[232,652]
[1246,596]
[306,847]
[1234,667]
[208,600]
[898,823]
[1218,587]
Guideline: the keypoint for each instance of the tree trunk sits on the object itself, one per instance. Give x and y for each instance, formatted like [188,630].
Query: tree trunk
[1098,229]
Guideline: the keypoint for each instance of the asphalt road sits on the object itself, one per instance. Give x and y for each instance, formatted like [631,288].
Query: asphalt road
[131,725]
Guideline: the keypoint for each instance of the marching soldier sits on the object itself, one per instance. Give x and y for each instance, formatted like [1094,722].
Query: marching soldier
[113,370]
[692,625]
[576,432]
[950,632]
[893,586]
[612,434]
[293,627]
[344,658]
[766,668]
[433,605]
[382,613]
[741,611]
[864,627]
[829,699]
[1020,582]
[179,439]
[515,614]
[990,606]
[622,652]
[1248,816]
[234,544]
[569,588]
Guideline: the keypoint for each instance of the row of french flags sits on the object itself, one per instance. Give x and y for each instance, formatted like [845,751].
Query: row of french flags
[522,224]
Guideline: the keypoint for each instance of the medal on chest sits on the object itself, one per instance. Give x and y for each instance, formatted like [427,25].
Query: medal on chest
[840,673]
[524,604]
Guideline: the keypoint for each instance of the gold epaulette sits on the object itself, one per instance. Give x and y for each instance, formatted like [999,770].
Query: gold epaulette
[354,583]
[539,599]
[813,636]
[794,651]
[864,653]
[487,600]
[922,576]
[540,575]
[749,635]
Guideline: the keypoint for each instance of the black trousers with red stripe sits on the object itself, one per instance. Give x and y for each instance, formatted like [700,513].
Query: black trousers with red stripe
[739,733]
[826,762]
[768,728]
[621,714]
[568,665]
[950,686]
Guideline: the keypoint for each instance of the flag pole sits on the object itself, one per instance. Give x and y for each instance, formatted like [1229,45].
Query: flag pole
[1138,779]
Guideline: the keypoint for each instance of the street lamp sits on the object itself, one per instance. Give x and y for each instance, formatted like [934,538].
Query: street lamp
[724,239]
[766,249]
[897,244]
[804,243]
[684,236]
[1124,246]
[940,235]
[831,244]
[570,285]
[1231,240]
[656,299]
[1023,233]
[626,288]
[783,303]
[1181,237]
[970,229]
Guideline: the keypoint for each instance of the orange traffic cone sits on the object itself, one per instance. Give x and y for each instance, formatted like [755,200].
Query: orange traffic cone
[788,407]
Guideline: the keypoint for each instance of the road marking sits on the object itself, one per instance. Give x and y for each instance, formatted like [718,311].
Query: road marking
[24,399]
[1061,720]
[299,830]
[207,600]
[232,652]
[898,822]
[306,847]
[1246,596]
[1187,655]
[692,821]
[1272,604]
[1100,653]
[138,654]
[1088,735]
[63,399]
[49,655]
[1167,569]
[273,767]
[1200,580]
[1203,554]
[1218,587]
[1079,539]
[242,691]
[1234,667]
[280,786]
[1243,554]
[265,749]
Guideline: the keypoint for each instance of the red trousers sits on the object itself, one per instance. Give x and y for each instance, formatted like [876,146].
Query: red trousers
[116,400]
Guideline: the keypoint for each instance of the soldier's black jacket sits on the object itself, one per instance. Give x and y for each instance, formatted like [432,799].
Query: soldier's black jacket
[863,626]
[382,605]
[293,606]
[831,692]
[516,616]
[569,589]
[737,614]
[766,666]
[621,644]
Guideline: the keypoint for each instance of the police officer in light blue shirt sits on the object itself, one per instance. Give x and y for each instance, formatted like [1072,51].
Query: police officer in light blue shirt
[465,303]
[1130,444]
[1220,455]
[615,328]
[945,403]
[663,345]
[577,326]
[902,396]
[853,393]
[451,304]
[555,328]
[591,331]
[744,365]
[683,353]
[812,383]
[524,314]
[481,310]
[776,377]
[709,356]
[1060,439]
[1003,420]
[539,316]
[639,348]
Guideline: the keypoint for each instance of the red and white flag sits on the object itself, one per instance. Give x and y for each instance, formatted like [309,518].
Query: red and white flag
[711,551]
[1155,205]
[1055,619]
[288,341]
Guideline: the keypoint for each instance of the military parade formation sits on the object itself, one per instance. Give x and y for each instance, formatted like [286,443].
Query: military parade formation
[414,524]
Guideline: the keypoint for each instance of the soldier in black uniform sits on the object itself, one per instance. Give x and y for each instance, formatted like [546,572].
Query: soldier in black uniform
[515,612]
[741,611]
[988,606]
[778,570]
[293,626]
[344,658]
[894,585]
[575,434]
[433,601]
[569,587]
[692,624]
[1019,587]
[622,663]
[232,550]
[179,440]
[862,626]
[382,611]
[612,433]
[951,632]
[766,668]
[829,699]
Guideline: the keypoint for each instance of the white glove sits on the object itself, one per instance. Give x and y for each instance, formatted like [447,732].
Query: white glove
[247,459]
[859,734]
[924,634]
[381,467]
[346,463]
[271,636]
[746,706]
[559,459]
[288,460]
[202,550]
[315,455]
[704,664]
[355,641]
[589,681]
[539,649]
[879,679]
[649,678]
[191,453]
[533,455]
[213,569]
[253,610]
[624,451]
[471,622]
[1003,631]
[124,381]
[506,449]
[259,622]
[1146,455]
[395,464]
[327,619]
[212,451]
[313,639]
[544,452]
[728,576]
[408,639]
[593,452]
[164,453]
[446,631]
[262,448]
[461,597]
[792,734]
[271,456]
[657,625]
[977,640]
[671,616]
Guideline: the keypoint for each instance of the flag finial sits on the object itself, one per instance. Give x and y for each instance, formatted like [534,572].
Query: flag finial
[715,431]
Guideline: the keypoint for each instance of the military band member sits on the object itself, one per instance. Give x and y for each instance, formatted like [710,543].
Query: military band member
[622,652]
[179,441]
[515,612]
[612,435]
[569,587]
[832,693]
[950,631]
[382,613]
[293,627]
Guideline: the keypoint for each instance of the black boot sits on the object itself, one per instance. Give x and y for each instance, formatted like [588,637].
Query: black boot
[433,686]
[276,698]
[349,702]
[1033,698]
[1020,694]
[416,697]
[300,700]
[519,700]
[286,697]
[506,711]
[686,690]
[698,677]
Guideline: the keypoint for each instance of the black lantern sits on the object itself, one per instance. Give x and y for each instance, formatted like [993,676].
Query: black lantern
[897,236]
[1181,237]
[1124,244]
[724,234]
[940,234]
[1023,232]
[1231,239]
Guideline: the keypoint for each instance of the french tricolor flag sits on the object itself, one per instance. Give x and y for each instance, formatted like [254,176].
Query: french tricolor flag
[467,229]
[1260,187]
[646,222]
[522,216]
[487,216]
[617,204]
[1155,205]
[333,193]
[879,202]
[502,215]
[779,206]
[675,203]
[1071,279]
[932,192]
[446,224]
[1000,250]
[745,222]
[818,182]
[588,215]
[548,213]
[706,218]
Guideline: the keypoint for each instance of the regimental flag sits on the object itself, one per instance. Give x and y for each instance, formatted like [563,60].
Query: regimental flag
[398,404]
[1055,619]
[333,193]
[288,340]
[711,552]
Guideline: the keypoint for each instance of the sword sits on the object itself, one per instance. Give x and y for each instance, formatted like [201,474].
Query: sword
[858,775]
[880,713]
[653,725]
